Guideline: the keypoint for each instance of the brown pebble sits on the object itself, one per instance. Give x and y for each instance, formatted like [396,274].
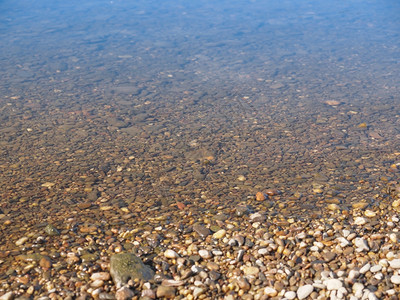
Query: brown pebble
[124,293]
[45,262]
[166,291]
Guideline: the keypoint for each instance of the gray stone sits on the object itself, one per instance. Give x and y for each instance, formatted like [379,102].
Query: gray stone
[202,231]
[125,266]
[51,230]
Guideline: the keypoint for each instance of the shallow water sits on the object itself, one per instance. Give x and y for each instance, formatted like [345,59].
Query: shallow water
[146,104]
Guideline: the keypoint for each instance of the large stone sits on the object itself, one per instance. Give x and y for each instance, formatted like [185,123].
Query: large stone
[126,266]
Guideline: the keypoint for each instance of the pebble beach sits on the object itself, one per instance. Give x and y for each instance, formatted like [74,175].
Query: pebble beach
[240,253]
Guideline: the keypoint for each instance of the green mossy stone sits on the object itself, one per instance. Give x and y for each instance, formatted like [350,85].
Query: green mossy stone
[126,266]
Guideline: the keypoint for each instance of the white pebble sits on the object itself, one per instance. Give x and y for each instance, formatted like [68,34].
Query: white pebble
[360,221]
[205,254]
[376,268]
[393,237]
[353,274]
[343,242]
[198,291]
[358,288]
[365,268]
[361,244]
[346,232]
[333,284]
[395,279]
[290,295]
[304,291]
[170,254]
[271,292]
[395,263]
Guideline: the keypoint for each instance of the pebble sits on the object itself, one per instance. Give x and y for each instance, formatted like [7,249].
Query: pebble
[361,244]
[304,291]
[395,263]
[166,292]
[100,276]
[205,254]
[271,292]
[202,231]
[7,296]
[360,221]
[395,279]
[198,291]
[219,234]
[125,266]
[21,241]
[251,270]
[291,295]
[365,268]
[333,284]
[124,293]
[169,253]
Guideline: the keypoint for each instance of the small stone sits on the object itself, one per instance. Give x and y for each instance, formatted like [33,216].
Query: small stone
[97,283]
[198,291]
[395,263]
[360,221]
[241,178]
[369,213]
[21,241]
[270,291]
[328,256]
[172,282]
[202,231]
[304,291]
[359,205]
[375,268]
[365,268]
[148,294]
[205,254]
[395,279]
[251,270]
[243,284]
[291,295]
[170,254]
[51,230]
[100,276]
[333,207]
[7,296]
[166,291]
[260,196]
[332,102]
[124,293]
[361,244]
[333,284]
[358,288]
[45,262]
[219,234]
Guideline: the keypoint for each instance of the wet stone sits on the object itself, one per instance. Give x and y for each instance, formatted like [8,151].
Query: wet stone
[126,266]
[166,292]
[51,230]
[202,231]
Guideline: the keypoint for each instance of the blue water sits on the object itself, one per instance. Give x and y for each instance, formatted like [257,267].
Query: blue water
[243,83]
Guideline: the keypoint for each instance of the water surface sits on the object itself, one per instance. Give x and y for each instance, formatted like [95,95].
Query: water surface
[141,104]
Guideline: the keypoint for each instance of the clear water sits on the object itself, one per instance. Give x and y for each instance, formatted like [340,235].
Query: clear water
[175,100]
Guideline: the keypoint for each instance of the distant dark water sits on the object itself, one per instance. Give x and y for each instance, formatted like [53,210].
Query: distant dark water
[241,85]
